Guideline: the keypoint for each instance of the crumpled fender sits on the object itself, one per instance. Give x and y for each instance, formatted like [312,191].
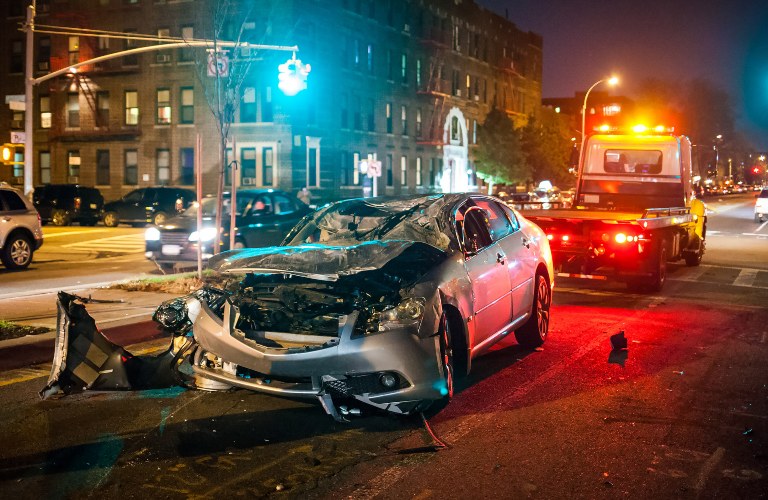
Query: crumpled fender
[84,359]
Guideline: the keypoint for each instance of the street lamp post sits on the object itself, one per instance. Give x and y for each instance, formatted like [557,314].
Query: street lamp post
[611,81]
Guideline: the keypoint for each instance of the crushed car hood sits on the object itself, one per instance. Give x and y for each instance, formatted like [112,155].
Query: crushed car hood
[328,262]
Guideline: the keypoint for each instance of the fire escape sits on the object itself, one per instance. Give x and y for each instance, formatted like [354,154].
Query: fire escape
[436,44]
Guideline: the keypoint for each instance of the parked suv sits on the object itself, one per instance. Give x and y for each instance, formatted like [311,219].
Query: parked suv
[63,204]
[761,205]
[143,205]
[20,232]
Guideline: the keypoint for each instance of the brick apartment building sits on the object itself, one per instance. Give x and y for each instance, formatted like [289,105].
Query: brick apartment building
[406,82]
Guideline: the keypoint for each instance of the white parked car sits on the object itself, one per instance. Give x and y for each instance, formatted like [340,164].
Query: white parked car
[20,229]
[761,206]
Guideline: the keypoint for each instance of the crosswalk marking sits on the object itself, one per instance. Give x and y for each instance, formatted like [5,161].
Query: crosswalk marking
[127,243]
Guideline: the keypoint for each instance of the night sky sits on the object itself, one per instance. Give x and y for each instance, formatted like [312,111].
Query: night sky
[723,41]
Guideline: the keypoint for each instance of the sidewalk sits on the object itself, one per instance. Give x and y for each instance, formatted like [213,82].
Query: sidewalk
[125,317]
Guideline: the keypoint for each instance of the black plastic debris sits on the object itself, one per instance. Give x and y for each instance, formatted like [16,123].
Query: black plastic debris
[619,341]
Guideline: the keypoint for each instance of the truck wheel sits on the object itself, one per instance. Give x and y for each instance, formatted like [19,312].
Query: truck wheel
[694,259]
[60,217]
[111,219]
[659,276]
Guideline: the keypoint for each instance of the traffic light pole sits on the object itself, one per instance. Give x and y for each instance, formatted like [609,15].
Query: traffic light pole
[28,83]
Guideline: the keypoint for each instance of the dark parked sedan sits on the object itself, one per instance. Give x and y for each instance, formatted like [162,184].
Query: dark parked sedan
[263,218]
[148,205]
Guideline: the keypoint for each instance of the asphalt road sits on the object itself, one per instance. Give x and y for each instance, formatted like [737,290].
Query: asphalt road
[683,413]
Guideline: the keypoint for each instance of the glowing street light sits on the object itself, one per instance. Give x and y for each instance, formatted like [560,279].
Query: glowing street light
[612,81]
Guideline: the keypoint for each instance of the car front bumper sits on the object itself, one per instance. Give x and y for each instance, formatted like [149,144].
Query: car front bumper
[349,366]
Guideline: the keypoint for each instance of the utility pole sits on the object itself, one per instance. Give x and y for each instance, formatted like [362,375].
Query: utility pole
[29,27]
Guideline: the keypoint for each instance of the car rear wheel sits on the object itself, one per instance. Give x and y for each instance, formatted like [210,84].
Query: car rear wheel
[159,218]
[534,332]
[17,253]
[111,219]
[60,217]
[239,244]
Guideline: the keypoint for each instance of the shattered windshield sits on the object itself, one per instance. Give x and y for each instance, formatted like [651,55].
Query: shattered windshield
[356,221]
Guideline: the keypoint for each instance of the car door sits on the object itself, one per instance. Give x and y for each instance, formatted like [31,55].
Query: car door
[260,226]
[132,206]
[523,260]
[486,267]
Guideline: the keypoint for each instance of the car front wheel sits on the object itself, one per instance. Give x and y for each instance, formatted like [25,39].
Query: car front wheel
[446,358]
[534,332]
[17,253]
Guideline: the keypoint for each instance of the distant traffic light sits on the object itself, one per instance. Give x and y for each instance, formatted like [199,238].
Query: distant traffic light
[293,76]
[12,154]
[756,170]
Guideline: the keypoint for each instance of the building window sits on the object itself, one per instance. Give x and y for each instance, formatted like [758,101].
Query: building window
[344,105]
[163,56]
[357,113]
[404,68]
[102,167]
[404,119]
[163,167]
[44,54]
[418,73]
[267,166]
[248,163]
[390,180]
[418,122]
[186,166]
[418,171]
[45,111]
[345,171]
[356,53]
[17,57]
[474,131]
[371,115]
[45,167]
[266,107]
[390,66]
[187,105]
[455,84]
[403,170]
[469,86]
[131,107]
[132,59]
[432,170]
[248,105]
[73,163]
[163,106]
[74,49]
[369,58]
[131,168]
[102,109]
[73,110]
[312,167]
[389,117]
[187,54]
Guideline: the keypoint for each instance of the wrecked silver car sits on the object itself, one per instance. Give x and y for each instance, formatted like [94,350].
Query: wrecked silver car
[375,301]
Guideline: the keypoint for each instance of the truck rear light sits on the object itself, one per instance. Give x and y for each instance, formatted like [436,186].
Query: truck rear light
[566,237]
[77,203]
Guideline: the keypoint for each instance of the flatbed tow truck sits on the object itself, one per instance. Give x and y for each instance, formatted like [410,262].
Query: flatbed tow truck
[633,212]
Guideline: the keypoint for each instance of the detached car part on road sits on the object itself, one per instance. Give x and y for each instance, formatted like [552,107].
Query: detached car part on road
[373,301]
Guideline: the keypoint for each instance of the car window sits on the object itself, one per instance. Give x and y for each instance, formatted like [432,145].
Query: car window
[10,201]
[512,218]
[261,205]
[133,196]
[472,226]
[283,204]
[498,223]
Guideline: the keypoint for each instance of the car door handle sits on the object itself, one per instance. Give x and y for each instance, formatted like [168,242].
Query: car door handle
[500,258]
[526,243]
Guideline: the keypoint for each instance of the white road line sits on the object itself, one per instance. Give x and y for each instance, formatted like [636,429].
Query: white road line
[746,277]
[69,233]
[761,226]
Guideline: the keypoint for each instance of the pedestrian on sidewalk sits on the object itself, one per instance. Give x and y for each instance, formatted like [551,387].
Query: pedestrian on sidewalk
[304,195]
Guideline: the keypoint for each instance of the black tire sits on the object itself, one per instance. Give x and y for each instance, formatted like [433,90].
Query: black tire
[17,252]
[111,219]
[239,244]
[534,332]
[659,277]
[694,259]
[60,217]
[446,358]
[159,218]
[758,219]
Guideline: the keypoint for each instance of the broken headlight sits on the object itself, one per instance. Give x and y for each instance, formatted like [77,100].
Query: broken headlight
[173,315]
[407,314]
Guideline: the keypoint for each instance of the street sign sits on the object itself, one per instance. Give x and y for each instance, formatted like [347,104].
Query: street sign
[18,137]
[218,63]
[374,168]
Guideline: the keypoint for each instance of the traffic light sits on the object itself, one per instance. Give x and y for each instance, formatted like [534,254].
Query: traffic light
[293,76]
[756,170]
[12,154]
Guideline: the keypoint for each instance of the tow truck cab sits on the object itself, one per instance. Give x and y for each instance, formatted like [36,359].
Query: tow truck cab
[635,172]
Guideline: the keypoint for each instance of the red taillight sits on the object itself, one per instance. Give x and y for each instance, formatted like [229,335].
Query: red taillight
[77,203]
